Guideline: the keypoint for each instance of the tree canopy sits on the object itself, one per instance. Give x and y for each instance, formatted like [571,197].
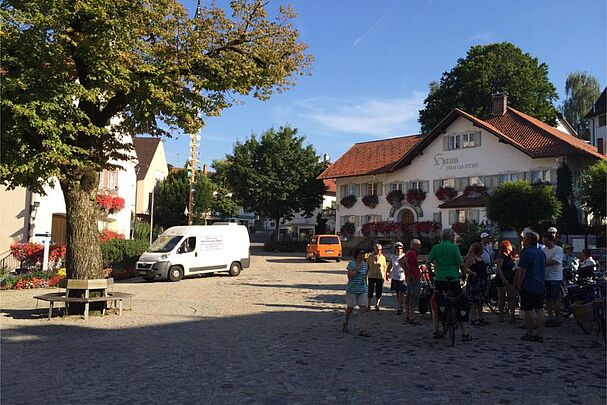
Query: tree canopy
[275,175]
[77,73]
[592,189]
[171,199]
[518,204]
[486,70]
[581,92]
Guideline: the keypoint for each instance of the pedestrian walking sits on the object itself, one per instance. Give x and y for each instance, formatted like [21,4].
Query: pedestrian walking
[412,277]
[356,291]
[377,274]
[397,275]
[530,282]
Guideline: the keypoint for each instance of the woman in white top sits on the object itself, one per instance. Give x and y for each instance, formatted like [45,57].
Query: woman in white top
[397,274]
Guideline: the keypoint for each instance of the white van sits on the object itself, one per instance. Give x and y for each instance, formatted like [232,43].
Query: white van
[186,250]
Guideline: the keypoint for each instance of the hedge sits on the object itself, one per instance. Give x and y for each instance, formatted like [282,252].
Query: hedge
[122,254]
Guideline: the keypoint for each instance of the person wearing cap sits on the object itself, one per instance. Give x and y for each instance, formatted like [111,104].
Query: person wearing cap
[554,232]
[397,274]
[488,256]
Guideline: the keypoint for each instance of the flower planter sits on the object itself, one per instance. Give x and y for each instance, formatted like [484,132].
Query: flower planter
[371,201]
[348,201]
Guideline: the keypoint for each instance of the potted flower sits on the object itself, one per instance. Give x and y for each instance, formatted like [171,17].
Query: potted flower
[371,201]
[109,203]
[395,198]
[446,193]
[416,196]
[474,191]
[348,201]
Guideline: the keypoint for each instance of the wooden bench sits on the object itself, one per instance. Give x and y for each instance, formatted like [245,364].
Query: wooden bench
[102,285]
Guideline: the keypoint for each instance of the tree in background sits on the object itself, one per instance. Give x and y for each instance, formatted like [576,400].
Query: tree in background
[516,205]
[581,91]
[78,73]
[592,190]
[568,220]
[223,203]
[171,199]
[486,70]
[275,176]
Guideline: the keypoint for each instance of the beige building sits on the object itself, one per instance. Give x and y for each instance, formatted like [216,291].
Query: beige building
[152,169]
[14,217]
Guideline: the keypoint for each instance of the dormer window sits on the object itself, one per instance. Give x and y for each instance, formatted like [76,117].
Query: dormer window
[462,141]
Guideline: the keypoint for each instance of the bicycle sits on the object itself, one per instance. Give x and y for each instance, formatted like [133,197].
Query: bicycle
[449,322]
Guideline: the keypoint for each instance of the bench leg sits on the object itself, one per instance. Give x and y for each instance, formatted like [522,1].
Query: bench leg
[50,310]
[120,307]
[86,310]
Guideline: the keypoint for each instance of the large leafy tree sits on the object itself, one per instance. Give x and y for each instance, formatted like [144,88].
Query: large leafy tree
[581,92]
[171,199]
[275,175]
[592,189]
[77,73]
[486,70]
[223,203]
[518,204]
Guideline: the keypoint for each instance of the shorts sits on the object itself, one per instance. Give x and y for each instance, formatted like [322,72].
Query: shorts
[353,300]
[531,301]
[398,285]
[412,295]
[375,285]
[552,290]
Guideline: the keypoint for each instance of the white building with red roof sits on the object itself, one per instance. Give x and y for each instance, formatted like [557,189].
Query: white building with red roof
[459,155]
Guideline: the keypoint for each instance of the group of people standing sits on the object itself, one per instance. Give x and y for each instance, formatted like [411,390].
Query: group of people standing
[537,277]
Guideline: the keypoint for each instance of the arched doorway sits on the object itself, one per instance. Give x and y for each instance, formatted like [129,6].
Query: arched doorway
[406,216]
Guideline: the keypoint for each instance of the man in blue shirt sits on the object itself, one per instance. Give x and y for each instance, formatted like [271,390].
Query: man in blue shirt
[530,282]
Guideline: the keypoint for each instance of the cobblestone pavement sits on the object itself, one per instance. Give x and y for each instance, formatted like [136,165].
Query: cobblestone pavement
[272,335]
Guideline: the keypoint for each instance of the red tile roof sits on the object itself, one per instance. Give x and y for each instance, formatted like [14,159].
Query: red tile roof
[330,185]
[367,158]
[540,140]
[528,134]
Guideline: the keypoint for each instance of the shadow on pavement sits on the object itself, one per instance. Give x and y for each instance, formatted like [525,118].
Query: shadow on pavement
[281,357]
[340,287]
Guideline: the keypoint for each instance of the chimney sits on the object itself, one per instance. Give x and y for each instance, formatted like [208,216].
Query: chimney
[499,104]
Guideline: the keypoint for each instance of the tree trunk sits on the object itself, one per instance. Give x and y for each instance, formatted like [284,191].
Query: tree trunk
[83,256]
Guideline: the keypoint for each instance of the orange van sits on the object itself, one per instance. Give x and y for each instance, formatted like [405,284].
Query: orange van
[324,247]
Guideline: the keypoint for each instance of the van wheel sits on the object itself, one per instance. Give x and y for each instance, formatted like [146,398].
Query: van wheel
[175,273]
[317,259]
[235,269]
[338,259]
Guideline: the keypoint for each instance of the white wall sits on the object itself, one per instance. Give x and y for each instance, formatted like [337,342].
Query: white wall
[490,158]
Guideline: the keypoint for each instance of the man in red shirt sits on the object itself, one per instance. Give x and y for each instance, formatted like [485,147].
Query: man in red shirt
[412,274]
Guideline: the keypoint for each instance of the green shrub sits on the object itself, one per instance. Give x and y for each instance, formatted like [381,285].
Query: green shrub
[285,246]
[142,231]
[122,254]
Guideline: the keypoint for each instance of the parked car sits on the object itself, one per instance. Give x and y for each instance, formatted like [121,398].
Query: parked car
[181,251]
[324,247]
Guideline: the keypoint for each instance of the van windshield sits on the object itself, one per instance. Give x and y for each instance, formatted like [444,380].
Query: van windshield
[165,243]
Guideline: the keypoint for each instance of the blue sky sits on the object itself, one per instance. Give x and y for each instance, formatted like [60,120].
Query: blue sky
[374,60]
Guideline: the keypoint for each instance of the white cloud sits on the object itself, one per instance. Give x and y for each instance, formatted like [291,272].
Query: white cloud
[375,117]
